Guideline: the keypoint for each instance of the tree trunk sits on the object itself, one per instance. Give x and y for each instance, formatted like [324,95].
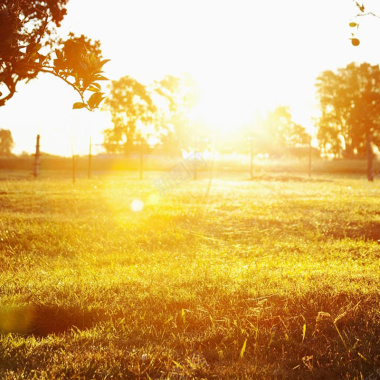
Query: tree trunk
[369,156]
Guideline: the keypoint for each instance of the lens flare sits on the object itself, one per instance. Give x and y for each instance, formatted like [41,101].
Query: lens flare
[137,205]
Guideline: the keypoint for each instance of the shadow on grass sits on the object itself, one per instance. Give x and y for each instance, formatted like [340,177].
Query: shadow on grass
[368,231]
[42,320]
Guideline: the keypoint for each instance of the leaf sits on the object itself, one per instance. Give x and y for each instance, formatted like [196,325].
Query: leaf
[243,349]
[355,41]
[41,58]
[93,89]
[59,55]
[95,99]
[83,66]
[33,48]
[96,85]
[361,7]
[303,332]
[102,63]
[100,77]
[78,105]
[353,24]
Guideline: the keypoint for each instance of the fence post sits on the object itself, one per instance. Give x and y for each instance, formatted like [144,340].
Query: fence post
[37,157]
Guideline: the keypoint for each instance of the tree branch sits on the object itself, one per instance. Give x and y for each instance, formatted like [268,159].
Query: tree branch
[367,14]
[44,70]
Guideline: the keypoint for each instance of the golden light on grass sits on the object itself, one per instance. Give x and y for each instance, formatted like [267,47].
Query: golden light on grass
[137,205]
[154,199]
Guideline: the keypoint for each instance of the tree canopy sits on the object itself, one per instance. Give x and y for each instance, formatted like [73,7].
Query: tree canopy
[6,142]
[132,109]
[176,97]
[141,111]
[350,107]
[350,111]
[29,45]
[278,132]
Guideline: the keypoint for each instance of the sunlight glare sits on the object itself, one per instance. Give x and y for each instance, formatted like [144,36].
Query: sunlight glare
[137,205]
[153,199]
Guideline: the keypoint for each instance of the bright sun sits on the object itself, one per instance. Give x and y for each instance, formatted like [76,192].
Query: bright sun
[226,110]
[245,58]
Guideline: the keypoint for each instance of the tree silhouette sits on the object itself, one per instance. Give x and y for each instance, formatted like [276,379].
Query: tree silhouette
[350,111]
[279,132]
[29,45]
[132,110]
[178,95]
[6,142]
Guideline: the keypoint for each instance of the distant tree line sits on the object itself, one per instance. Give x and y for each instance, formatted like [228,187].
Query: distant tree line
[158,113]
[152,114]
[349,125]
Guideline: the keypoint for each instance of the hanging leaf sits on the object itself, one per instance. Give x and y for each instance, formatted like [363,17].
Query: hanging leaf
[95,99]
[355,41]
[79,105]
[353,24]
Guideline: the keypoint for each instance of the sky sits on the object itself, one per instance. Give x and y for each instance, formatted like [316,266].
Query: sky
[247,56]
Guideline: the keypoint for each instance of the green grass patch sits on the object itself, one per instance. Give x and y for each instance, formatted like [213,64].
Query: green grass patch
[264,279]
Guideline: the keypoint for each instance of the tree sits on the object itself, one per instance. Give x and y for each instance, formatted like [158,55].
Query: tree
[176,97]
[279,132]
[29,46]
[6,142]
[132,110]
[350,111]
[333,128]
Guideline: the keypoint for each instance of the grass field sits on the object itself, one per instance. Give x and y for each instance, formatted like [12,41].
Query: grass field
[270,279]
